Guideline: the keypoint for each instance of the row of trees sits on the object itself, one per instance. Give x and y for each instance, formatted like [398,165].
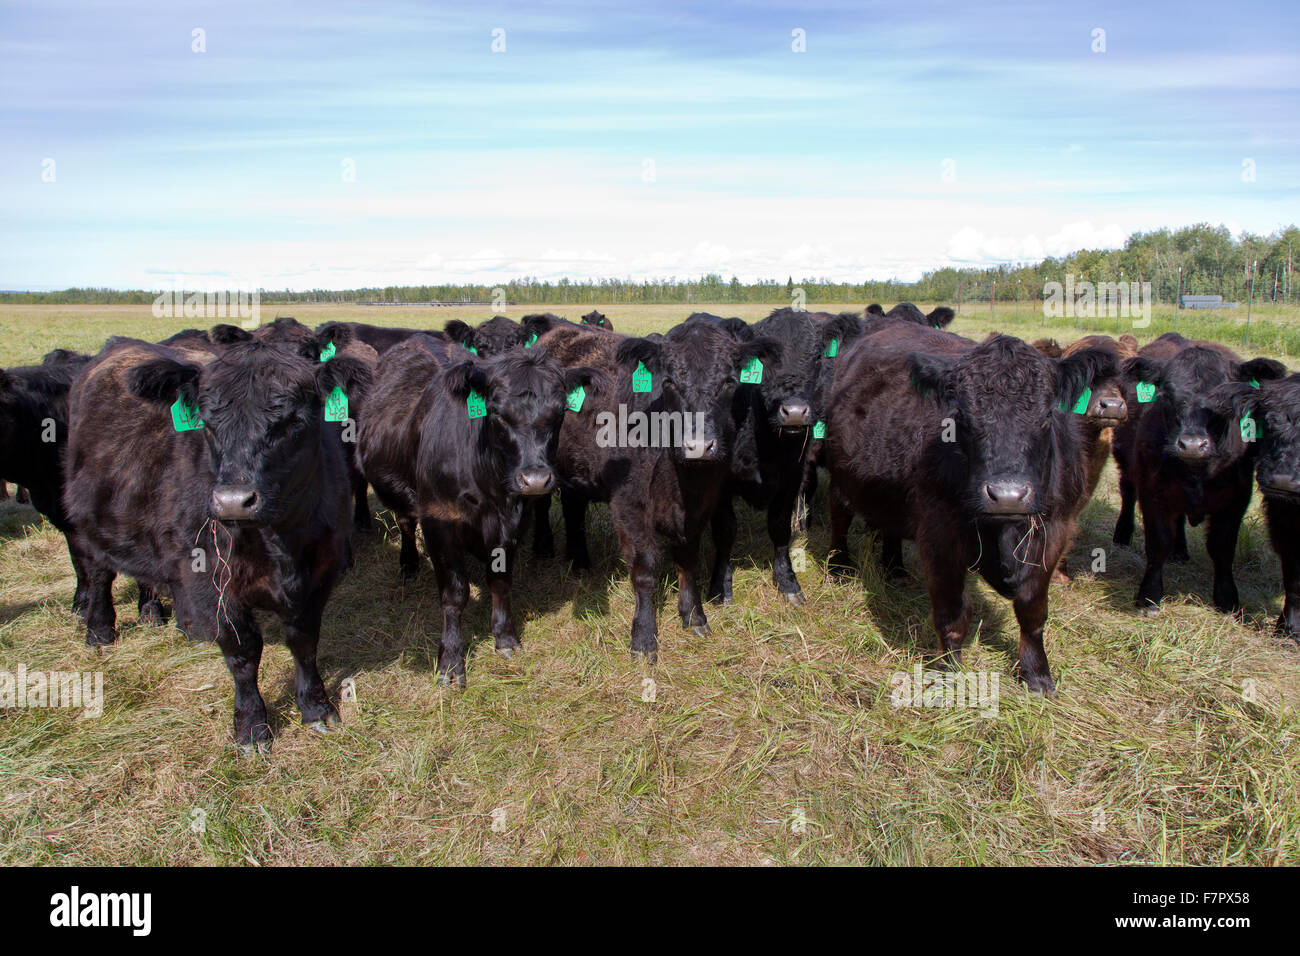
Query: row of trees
[1196,259]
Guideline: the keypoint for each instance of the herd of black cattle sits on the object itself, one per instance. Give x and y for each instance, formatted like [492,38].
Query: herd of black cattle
[226,469]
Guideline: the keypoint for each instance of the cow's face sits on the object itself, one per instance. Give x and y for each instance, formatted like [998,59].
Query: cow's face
[1196,411]
[1274,409]
[525,394]
[791,388]
[1002,397]
[696,367]
[261,403]
[496,336]
[593,318]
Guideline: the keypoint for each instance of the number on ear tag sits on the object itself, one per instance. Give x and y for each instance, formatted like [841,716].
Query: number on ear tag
[336,405]
[475,405]
[752,373]
[185,416]
[641,379]
[1146,392]
[575,399]
[819,430]
[328,352]
[832,348]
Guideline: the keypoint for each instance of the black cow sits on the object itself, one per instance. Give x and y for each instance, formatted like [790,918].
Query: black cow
[598,318]
[381,338]
[962,447]
[494,337]
[1184,457]
[1274,409]
[657,446]
[458,446]
[247,512]
[937,319]
[775,419]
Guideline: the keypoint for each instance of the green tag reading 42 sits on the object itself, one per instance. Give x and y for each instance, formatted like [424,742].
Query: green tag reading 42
[185,416]
[1081,406]
[475,405]
[641,378]
[752,373]
[1146,392]
[575,399]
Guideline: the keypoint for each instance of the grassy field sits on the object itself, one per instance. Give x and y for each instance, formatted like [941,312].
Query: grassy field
[1173,740]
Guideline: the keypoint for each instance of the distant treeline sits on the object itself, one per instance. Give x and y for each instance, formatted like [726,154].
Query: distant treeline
[1197,259]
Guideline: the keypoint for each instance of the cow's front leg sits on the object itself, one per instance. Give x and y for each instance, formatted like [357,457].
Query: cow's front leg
[687,558]
[302,636]
[504,633]
[1289,621]
[240,641]
[101,616]
[779,516]
[543,537]
[839,561]
[453,591]
[1221,543]
[408,561]
[1159,531]
[945,579]
[724,539]
[1030,604]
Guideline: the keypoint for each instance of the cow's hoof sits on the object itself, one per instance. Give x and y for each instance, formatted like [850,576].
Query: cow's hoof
[152,614]
[324,727]
[1041,685]
[701,630]
[794,597]
[510,650]
[646,657]
[1060,578]
[253,747]
[1148,610]
[452,680]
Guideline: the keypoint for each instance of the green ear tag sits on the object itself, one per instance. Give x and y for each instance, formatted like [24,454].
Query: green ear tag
[1081,406]
[472,349]
[575,399]
[1254,384]
[336,405]
[832,348]
[475,405]
[819,430]
[1146,392]
[1248,428]
[328,352]
[531,339]
[752,373]
[185,416]
[641,378]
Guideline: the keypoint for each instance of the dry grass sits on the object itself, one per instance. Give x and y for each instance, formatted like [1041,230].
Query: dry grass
[1152,752]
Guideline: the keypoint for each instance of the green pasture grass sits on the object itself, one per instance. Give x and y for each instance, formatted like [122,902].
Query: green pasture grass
[771,741]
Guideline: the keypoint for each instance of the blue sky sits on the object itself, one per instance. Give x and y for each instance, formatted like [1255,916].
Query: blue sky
[338,145]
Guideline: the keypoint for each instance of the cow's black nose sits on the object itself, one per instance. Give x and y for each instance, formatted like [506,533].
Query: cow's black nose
[700,449]
[538,481]
[795,414]
[1111,408]
[1193,447]
[1279,484]
[1008,497]
[235,502]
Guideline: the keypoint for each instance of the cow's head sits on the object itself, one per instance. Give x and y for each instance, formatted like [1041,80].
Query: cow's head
[1004,399]
[261,402]
[1196,411]
[496,336]
[596,318]
[1102,405]
[792,388]
[1270,415]
[696,368]
[524,396]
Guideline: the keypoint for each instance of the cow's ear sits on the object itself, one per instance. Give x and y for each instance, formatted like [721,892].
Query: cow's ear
[163,380]
[463,377]
[6,381]
[1235,399]
[1081,371]
[844,327]
[737,328]
[337,334]
[875,308]
[226,334]
[1128,344]
[930,375]
[459,332]
[631,351]
[1142,369]
[941,317]
[766,350]
[57,356]
[1049,347]
[345,372]
[538,324]
[586,376]
[1260,369]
